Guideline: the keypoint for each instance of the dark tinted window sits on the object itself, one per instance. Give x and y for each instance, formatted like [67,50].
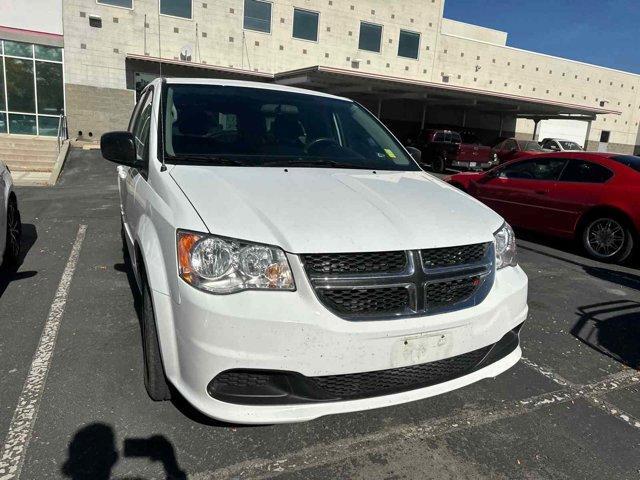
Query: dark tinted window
[370,37]
[305,25]
[256,127]
[455,138]
[585,172]
[176,8]
[628,160]
[118,3]
[541,169]
[439,137]
[257,16]
[409,44]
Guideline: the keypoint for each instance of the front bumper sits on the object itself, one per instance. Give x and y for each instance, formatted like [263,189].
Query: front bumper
[204,335]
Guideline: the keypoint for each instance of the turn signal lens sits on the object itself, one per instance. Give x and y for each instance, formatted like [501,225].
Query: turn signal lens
[224,265]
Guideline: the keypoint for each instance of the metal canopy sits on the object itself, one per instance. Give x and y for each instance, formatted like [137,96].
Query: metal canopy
[382,87]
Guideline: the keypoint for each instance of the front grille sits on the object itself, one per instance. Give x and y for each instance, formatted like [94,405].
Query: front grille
[453,256]
[449,292]
[369,384]
[379,285]
[355,263]
[366,301]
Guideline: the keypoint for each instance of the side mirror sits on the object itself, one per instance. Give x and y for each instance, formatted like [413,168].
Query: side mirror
[415,153]
[119,147]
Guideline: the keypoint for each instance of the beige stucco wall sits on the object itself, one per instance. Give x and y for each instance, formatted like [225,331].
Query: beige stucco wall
[470,56]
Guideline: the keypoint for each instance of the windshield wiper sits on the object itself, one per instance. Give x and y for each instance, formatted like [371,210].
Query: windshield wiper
[206,159]
[304,162]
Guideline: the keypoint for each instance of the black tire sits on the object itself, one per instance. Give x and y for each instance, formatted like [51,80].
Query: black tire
[155,380]
[607,238]
[12,248]
[439,164]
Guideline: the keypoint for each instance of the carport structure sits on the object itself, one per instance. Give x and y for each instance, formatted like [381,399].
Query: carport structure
[408,106]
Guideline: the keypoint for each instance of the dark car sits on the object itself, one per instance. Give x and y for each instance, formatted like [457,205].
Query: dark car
[443,149]
[512,149]
[592,197]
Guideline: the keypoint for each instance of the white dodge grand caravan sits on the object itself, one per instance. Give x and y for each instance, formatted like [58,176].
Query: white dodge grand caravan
[294,261]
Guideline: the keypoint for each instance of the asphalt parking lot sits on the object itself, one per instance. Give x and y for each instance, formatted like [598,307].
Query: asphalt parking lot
[569,410]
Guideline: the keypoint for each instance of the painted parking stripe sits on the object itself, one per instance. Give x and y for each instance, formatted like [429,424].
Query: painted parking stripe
[21,427]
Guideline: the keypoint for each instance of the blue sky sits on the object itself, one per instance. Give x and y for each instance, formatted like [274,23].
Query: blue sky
[603,32]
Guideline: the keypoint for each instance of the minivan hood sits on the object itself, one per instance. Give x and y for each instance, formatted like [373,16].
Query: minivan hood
[319,210]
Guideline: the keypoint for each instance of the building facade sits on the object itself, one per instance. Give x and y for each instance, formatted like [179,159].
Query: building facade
[401,59]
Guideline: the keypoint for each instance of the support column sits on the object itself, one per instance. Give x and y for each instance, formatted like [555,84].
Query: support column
[535,130]
[379,108]
[501,125]
[586,140]
[464,119]
[424,116]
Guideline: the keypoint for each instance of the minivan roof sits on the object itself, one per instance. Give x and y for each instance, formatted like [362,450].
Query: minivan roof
[247,84]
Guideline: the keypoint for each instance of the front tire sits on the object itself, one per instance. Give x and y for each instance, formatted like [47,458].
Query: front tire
[607,238]
[11,258]
[155,380]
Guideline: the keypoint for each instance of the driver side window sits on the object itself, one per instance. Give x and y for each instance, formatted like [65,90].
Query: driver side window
[142,127]
[542,169]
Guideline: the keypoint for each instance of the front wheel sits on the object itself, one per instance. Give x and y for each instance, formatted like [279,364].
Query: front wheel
[12,246]
[155,380]
[607,239]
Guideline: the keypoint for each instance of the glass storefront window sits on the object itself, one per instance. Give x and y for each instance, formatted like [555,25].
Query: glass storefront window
[22,124]
[20,88]
[18,49]
[48,53]
[50,88]
[31,88]
[48,126]
[2,104]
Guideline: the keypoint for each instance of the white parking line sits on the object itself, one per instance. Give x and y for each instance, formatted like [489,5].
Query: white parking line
[25,414]
[349,448]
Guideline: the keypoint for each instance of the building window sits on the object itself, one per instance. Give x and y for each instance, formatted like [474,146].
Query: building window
[257,16]
[605,136]
[117,3]
[305,25]
[409,44]
[34,88]
[370,37]
[176,8]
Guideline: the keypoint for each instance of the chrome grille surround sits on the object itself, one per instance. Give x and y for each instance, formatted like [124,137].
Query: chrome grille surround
[456,286]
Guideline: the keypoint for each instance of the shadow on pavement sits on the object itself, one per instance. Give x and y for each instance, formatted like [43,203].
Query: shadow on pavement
[29,237]
[611,328]
[92,454]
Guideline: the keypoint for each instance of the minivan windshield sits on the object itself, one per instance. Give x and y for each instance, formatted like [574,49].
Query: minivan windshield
[259,127]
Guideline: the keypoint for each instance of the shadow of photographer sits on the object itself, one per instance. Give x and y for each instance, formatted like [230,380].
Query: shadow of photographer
[92,454]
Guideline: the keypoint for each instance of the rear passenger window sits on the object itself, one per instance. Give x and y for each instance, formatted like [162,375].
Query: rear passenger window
[439,137]
[585,172]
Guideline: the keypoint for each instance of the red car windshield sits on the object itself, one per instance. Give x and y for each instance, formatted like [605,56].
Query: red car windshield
[530,146]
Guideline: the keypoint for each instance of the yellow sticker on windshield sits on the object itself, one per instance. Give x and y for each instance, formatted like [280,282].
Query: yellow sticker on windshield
[389,153]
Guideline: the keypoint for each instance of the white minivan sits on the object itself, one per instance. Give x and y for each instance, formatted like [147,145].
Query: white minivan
[294,261]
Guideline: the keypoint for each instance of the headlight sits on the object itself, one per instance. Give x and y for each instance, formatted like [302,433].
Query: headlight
[506,253]
[224,265]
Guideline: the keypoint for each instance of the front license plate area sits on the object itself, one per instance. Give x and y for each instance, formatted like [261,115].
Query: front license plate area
[473,164]
[423,348]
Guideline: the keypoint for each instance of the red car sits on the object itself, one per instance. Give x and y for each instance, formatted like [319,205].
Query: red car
[511,149]
[593,197]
